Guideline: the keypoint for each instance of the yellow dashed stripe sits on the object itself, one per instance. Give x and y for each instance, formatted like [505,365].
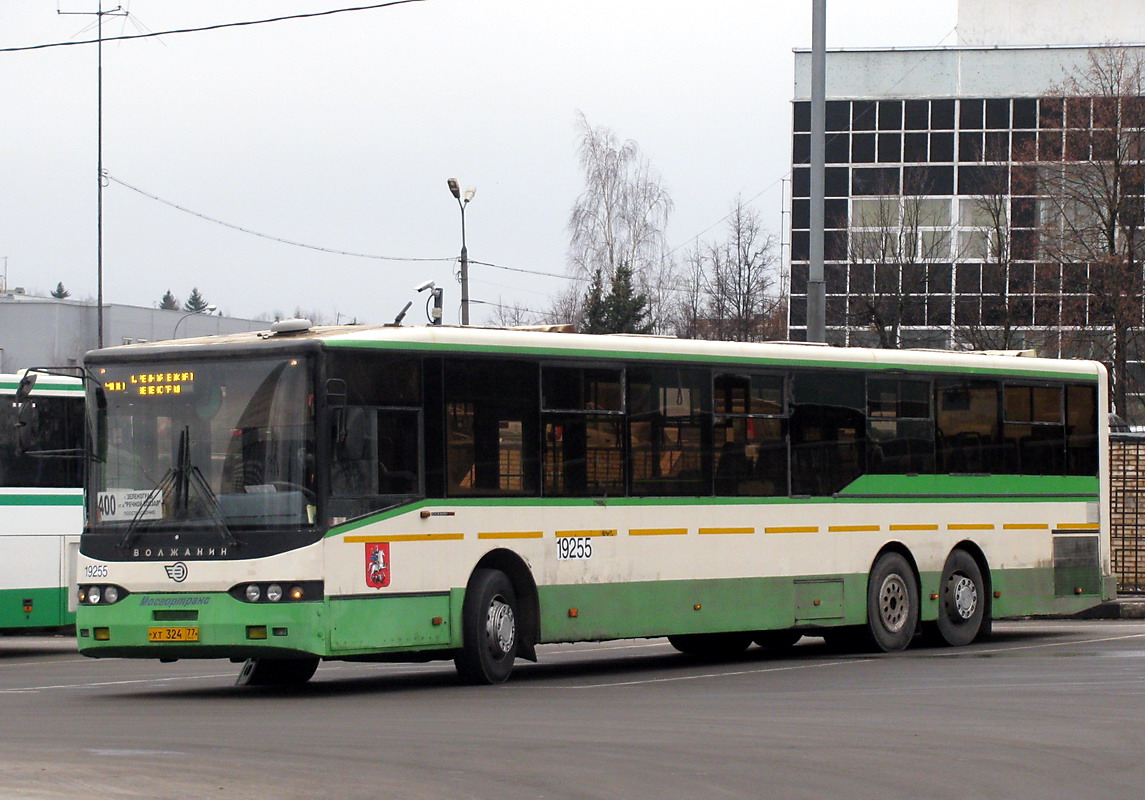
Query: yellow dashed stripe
[1081,526]
[793,529]
[706,531]
[853,528]
[914,527]
[579,534]
[1025,526]
[657,531]
[970,526]
[510,535]
[406,537]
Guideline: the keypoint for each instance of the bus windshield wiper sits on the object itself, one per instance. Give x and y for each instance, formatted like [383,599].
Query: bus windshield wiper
[180,481]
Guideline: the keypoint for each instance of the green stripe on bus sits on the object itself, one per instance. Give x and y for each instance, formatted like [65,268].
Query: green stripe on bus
[702,358]
[1017,487]
[41,500]
[43,387]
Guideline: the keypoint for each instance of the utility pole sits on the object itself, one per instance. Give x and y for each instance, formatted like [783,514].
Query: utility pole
[816,290]
[462,202]
[99,15]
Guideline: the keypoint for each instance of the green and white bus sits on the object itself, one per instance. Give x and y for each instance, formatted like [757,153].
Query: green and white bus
[392,493]
[41,501]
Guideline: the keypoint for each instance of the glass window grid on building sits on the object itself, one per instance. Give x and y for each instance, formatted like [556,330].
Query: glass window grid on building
[941,158]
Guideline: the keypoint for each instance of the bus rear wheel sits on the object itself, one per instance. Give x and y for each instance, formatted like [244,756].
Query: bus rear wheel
[892,603]
[277,671]
[488,628]
[962,615]
[711,645]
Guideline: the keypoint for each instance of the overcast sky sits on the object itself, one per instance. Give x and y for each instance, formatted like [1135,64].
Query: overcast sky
[341,131]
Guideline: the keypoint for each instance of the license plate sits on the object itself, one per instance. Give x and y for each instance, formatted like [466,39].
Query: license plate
[180,634]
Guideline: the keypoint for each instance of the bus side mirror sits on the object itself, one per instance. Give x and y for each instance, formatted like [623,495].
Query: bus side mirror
[24,390]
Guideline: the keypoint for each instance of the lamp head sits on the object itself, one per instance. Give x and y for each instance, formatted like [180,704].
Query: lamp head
[454,188]
[469,193]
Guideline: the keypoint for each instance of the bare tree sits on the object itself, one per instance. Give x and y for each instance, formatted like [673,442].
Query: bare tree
[1091,193]
[742,278]
[620,217]
[730,289]
[690,301]
[897,239]
[511,315]
[1005,320]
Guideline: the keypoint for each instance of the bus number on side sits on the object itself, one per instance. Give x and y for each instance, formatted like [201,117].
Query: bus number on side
[574,547]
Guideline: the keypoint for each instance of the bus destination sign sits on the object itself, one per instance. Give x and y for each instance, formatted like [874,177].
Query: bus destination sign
[151,384]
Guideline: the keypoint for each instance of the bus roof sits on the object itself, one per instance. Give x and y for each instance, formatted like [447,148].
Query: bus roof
[541,343]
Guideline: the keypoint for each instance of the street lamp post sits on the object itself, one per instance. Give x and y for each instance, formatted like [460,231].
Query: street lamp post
[208,311]
[462,202]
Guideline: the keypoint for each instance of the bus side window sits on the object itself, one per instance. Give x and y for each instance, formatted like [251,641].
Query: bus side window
[491,422]
[900,427]
[1081,430]
[750,435]
[966,412]
[1034,429]
[827,439]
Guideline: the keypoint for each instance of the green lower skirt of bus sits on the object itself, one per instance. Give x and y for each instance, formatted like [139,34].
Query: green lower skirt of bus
[34,608]
[216,625]
[205,625]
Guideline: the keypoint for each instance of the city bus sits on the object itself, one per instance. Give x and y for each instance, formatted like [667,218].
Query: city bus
[393,493]
[41,501]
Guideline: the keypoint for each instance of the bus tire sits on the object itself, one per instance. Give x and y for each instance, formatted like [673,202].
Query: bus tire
[277,671]
[488,629]
[962,614]
[711,645]
[892,603]
[776,640]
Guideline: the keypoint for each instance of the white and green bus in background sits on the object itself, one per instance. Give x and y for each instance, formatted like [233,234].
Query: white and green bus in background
[389,493]
[41,501]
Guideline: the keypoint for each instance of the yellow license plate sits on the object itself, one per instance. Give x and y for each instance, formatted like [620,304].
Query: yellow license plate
[180,634]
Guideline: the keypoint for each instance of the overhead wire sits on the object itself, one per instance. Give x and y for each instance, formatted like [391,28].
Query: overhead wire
[215,27]
[261,235]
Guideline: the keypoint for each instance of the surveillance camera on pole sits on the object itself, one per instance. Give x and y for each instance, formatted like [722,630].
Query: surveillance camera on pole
[436,294]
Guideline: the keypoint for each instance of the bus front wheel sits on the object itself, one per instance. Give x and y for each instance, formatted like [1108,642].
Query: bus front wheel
[892,603]
[488,628]
[962,613]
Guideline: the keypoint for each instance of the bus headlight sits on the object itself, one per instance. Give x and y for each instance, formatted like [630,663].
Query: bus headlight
[276,592]
[110,594]
[93,595]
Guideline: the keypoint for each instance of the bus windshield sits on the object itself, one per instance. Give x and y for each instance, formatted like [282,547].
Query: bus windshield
[222,445]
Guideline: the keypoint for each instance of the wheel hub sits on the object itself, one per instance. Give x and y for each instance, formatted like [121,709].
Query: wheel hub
[500,627]
[963,596]
[894,603]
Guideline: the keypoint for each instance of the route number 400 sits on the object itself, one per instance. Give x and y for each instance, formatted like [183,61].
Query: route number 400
[573,547]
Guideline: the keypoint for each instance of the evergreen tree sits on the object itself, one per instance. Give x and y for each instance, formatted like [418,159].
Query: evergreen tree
[196,302]
[169,302]
[622,310]
[60,292]
[629,308]
[595,311]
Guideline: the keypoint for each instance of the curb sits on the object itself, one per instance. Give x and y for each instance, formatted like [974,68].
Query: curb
[1122,608]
